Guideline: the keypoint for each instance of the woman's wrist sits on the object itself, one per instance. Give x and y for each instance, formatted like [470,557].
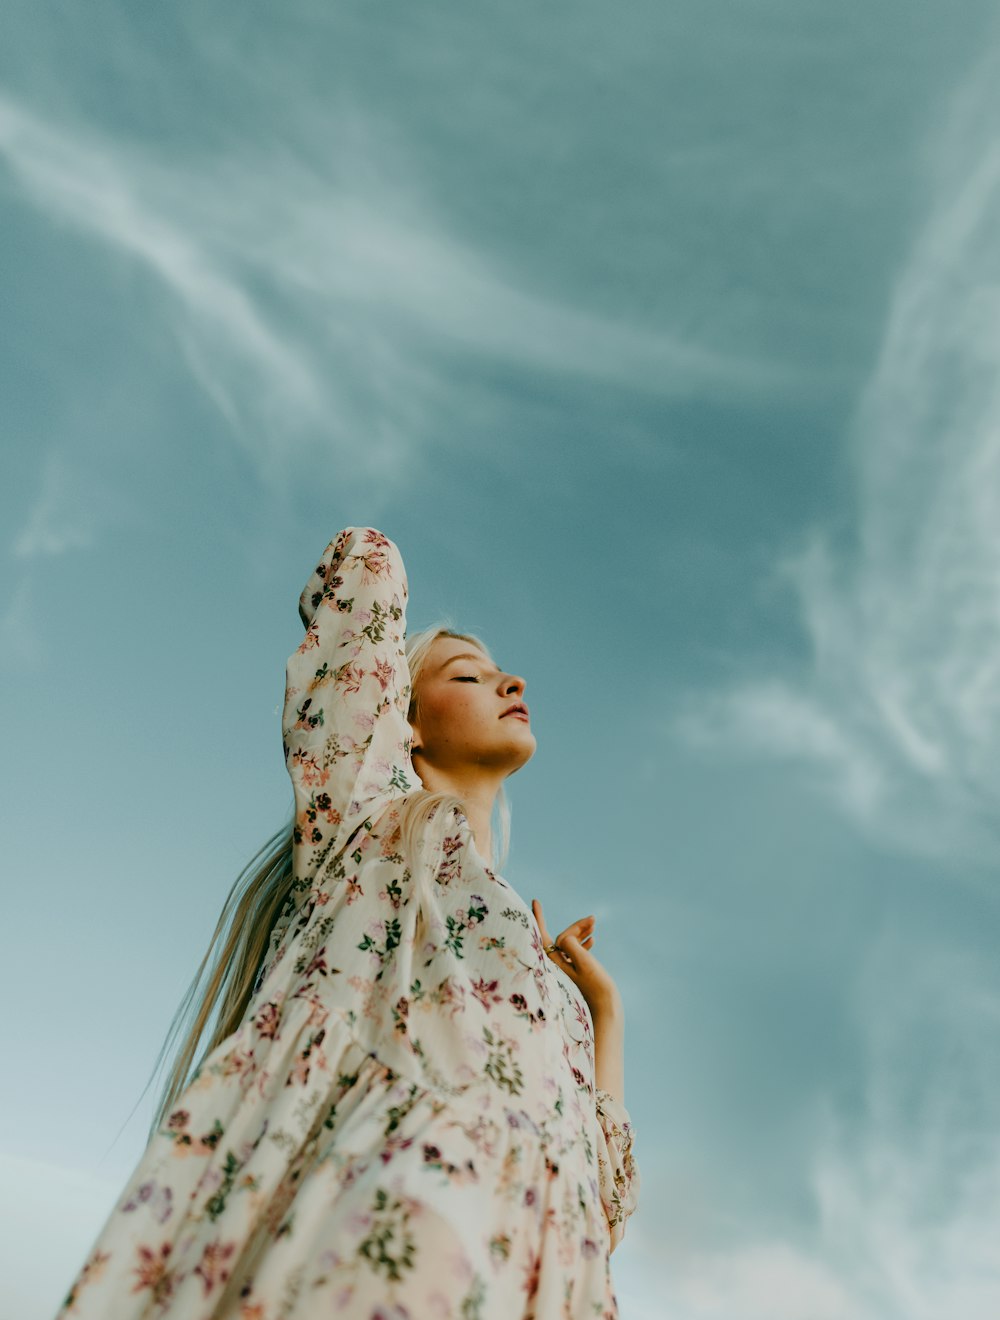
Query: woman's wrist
[609,1050]
[608,1009]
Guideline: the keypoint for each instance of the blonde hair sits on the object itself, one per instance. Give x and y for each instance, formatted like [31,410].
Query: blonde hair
[237,950]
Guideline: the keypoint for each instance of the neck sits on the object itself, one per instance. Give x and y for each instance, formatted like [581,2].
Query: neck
[477,786]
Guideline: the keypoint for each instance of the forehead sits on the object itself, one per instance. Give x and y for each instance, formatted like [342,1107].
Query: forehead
[446,649]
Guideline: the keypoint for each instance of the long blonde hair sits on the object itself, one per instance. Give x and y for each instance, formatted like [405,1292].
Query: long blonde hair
[234,959]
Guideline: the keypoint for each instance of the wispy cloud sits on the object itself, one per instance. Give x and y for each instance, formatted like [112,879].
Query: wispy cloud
[901,705]
[328,301]
[72,507]
[910,1197]
[905,1182]
[65,514]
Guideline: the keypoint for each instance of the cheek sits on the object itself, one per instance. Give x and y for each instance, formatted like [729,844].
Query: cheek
[447,718]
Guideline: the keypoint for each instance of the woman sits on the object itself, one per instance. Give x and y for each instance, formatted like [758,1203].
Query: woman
[412,1104]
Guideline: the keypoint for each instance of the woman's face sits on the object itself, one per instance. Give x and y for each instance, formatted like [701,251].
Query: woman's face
[463,710]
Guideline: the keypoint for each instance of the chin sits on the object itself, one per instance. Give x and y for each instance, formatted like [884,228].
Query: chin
[525,753]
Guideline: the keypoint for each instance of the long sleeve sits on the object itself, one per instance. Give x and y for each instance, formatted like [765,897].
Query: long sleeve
[344,729]
[618,1174]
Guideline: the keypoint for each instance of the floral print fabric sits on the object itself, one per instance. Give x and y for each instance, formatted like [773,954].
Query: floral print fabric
[405,1125]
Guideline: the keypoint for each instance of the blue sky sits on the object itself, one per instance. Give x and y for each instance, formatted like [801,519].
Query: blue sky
[664,341]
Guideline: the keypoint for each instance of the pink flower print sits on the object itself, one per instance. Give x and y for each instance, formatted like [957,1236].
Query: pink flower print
[354,890]
[212,1267]
[318,964]
[266,1020]
[238,1063]
[309,643]
[531,1274]
[153,1272]
[311,772]
[159,1201]
[485,992]
[390,842]
[374,564]
[349,677]
[90,1273]
[384,672]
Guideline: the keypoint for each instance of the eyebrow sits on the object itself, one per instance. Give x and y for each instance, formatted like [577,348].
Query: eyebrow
[463,655]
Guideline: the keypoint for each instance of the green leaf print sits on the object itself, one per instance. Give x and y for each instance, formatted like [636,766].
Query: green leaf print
[230,1169]
[374,630]
[501,1065]
[473,1300]
[389,1246]
[456,929]
[393,935]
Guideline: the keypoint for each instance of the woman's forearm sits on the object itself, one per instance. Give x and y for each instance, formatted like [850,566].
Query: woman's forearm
[609,1052]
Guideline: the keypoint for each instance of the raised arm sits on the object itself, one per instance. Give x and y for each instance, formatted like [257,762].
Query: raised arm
[344,729]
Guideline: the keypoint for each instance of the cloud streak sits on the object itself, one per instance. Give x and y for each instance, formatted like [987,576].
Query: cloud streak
[906,1186]
[330,303]
[900,708]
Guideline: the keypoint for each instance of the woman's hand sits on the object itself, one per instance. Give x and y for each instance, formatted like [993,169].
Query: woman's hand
[572,953]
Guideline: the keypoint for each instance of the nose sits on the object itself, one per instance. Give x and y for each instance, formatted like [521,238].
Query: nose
[513,683]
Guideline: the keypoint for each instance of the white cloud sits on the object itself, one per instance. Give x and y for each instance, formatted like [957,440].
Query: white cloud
[75,503]
[901,705]
[906,1183]
[319,305]
[65,514]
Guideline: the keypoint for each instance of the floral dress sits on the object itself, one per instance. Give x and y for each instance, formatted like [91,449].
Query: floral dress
[405,1125]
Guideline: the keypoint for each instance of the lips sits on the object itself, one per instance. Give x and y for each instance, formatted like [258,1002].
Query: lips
[519,709]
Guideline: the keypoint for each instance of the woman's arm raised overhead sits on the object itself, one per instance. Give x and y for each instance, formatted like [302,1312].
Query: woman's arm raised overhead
[345,734]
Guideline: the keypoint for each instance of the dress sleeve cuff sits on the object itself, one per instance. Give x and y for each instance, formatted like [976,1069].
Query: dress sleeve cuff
[618,1173]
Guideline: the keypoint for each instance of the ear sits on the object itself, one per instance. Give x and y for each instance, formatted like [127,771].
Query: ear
[414,738]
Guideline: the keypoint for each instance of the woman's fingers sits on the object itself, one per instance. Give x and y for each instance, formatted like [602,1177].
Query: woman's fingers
[580,931]
[536,907]
[571,952]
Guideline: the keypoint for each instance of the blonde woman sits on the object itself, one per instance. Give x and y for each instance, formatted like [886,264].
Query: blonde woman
[411,1106]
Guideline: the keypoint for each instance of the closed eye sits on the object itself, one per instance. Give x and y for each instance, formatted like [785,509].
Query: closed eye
[465,678]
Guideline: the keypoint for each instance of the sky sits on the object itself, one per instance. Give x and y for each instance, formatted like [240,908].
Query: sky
[663,340]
